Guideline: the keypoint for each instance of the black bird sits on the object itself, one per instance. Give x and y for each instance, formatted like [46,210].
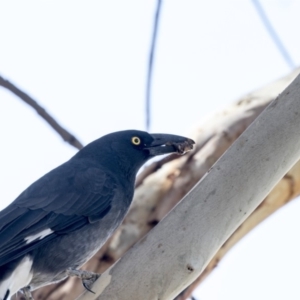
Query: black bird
[63,218]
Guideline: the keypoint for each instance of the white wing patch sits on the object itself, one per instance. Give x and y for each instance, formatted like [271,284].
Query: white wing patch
[19,278]
[38,236]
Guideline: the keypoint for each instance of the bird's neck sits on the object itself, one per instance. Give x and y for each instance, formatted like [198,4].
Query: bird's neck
[122,164]
[127,169]
[119,164]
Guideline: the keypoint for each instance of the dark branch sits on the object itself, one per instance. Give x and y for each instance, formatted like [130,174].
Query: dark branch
[67,137]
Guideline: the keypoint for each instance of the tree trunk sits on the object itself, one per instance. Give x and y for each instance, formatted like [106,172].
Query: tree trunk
[161,185]
[178,249]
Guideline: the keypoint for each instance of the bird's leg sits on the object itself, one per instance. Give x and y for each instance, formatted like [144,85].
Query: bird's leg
[27,293]
[87,278]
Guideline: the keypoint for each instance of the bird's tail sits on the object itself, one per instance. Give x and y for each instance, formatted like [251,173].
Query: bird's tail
[14,276]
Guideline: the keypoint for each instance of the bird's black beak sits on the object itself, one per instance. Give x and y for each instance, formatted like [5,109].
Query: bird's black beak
[169,143]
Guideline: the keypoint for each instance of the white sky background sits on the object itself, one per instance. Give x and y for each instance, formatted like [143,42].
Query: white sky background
[86,62]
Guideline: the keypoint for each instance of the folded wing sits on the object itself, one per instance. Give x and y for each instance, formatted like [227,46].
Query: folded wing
[67,198]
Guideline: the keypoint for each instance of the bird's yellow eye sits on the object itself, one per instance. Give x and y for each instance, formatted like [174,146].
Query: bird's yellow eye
[135,140]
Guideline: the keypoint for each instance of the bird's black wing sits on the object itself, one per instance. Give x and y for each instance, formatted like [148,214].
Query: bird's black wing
[65,199]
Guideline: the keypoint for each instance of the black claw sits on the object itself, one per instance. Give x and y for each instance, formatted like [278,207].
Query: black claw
[87,278]
[27,293]
[87,287]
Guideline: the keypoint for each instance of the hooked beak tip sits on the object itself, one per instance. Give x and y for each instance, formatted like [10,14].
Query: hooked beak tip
[167,143]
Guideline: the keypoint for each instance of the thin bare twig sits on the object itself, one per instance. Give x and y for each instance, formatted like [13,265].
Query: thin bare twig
[67,136]
[150,64]
[273,34]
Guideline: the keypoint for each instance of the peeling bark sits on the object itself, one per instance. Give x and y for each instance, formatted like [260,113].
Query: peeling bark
[162,184]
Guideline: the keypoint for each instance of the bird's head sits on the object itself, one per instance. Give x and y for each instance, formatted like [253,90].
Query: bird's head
[128,150]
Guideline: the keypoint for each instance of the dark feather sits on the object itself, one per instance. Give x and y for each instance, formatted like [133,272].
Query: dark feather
[67,198]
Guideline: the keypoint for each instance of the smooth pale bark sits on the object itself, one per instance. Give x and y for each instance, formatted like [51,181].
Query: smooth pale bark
[177,250]
[286,189]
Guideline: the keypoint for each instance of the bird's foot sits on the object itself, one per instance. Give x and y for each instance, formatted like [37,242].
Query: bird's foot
[87,278]
[27,293]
